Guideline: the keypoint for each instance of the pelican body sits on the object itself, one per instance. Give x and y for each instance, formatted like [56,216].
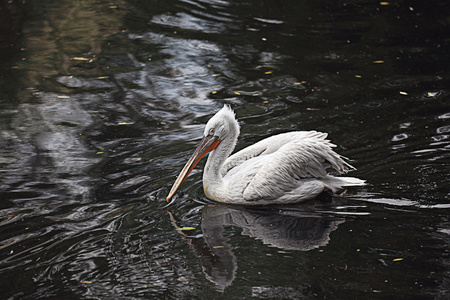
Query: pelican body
[285,168]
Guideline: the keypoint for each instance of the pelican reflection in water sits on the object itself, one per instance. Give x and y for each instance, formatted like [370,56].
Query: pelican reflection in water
[287,228]
[285,168]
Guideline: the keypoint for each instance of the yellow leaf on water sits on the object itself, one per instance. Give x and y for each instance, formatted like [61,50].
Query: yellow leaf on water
[80,58]
[88,282]
[384,3]
[397,259]
[214,92]
[268,72]
[185,228]
[217,247]
[378,61]
[125,123]
[237,93]
[102,77]
[403,93]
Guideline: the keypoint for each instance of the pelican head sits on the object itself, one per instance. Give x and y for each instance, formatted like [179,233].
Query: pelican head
[223,126]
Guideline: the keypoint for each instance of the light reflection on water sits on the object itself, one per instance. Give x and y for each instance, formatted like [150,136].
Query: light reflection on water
[105,106]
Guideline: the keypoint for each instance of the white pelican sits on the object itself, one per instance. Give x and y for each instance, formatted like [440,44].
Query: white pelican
[285,168]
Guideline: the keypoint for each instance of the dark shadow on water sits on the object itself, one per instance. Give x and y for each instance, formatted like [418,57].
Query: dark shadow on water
[290,228]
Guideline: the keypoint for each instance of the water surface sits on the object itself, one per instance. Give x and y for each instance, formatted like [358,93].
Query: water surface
[102,103]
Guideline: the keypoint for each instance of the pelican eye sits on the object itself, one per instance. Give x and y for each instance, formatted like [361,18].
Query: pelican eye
[212,131]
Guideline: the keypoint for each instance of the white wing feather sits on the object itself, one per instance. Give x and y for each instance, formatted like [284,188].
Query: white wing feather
[267,146]
[287,158]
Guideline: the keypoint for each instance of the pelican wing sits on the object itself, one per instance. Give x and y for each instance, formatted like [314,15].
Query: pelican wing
[289,159]
[267,146]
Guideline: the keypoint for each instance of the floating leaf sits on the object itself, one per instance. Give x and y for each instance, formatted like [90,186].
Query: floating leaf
[310,108]
[100,153]
[88,282]
[403,93]
[102,77]
[63,97]
[217,247]
[125,123]
[384,3]
[378,61]
[214,92]
[185,228]
[81,58]
[237,93]
[268,72]
[397,259]
[358,76]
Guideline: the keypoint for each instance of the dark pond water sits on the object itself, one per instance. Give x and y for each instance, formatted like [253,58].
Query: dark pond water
[102,103]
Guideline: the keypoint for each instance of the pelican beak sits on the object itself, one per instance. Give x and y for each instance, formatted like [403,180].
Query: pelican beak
[208,143]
